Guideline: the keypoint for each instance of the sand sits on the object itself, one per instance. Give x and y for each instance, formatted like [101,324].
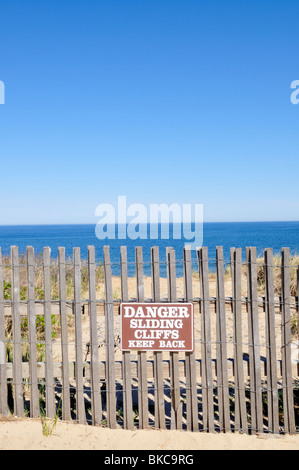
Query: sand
[27,434]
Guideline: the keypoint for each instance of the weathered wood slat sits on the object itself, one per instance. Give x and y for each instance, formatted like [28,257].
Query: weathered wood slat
[207,379]
[142,356]
[3,377]
[288,398]
[34,395]
[111,390]
[191,381]
[66,400]
[250,346]
[126,355]
[271,372]
[232,271]
[96,401]
[80,408]
[222,379]
[158,363]
[17,337]
[49,379]
[254,349]
[240,403]
[176,402]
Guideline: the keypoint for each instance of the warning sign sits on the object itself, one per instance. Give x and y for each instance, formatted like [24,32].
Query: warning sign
[157,326]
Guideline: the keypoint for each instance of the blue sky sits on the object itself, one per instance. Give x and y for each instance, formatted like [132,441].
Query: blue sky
[182,101]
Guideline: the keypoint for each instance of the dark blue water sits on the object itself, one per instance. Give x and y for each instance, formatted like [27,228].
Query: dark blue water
[227,234]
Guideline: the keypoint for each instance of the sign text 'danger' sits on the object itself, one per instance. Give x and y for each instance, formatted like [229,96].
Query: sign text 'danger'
[157,326]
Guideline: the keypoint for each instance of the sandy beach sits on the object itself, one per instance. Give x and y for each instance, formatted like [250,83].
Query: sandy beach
[27,434]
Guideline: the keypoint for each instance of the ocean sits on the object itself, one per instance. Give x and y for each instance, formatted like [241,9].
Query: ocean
[227,234]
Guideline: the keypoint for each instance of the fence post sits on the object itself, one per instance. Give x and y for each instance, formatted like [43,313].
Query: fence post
[3,374]
[126,355]
[17,338]
[254,349]
[34,399]
[49,379]
[240,403]
[222,376]
[142,363]
[288,399]
[109,318]
[96,401]
[207,379]
[191,380]
[176,403]
[158,363]
[66,400]
[232,271]
[273,418]
[80,408]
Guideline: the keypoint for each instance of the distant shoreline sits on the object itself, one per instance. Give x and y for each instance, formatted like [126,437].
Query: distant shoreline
[59,224]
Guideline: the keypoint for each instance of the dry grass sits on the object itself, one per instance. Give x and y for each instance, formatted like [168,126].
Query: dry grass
[294,264]
[39,295]
[39,278]
[294,274]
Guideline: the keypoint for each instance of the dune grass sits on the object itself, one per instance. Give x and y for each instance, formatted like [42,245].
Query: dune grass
[39,280]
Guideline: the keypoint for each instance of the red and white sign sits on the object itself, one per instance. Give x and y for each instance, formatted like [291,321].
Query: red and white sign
[156,326]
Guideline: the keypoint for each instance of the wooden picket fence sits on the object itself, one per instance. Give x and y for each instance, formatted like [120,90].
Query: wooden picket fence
[241,376]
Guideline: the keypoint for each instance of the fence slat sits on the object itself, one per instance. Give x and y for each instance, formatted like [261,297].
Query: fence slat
[288,399]
[111,389]
[207,380]
[17,338]
[96,401]
[176,403]
[49,379]
[222,377]
[240,408]
[189,418]
[141,355]
[66,400]
[126,355]
[3,374]
[250,341]
[273,419]
[80,408]
[191,382]
[34,395]
[158,364]
[232,270]
[254,349]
